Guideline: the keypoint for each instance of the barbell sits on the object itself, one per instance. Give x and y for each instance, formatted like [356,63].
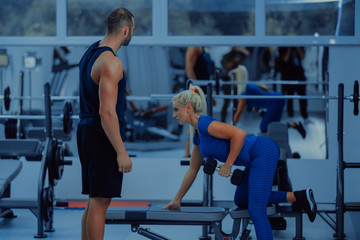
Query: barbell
[7,98]
[353,98]
[279,82]
[67,117]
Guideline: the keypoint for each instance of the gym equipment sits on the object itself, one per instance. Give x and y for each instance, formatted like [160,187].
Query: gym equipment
[210,166]
[67,117]
[52,166]
[136,216]
[7,98]
[355,98]
[51,162]
[338,224]
[218,83]
[341,206]
[9,170]
[205,216]
[148,125]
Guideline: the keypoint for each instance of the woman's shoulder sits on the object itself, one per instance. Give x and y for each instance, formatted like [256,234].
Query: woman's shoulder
[204,122]
[204,119]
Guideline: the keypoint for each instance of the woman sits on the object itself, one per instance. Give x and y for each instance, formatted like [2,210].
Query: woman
[230,145]
[274,107]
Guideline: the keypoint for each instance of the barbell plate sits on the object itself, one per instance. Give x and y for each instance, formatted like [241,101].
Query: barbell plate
[67,121]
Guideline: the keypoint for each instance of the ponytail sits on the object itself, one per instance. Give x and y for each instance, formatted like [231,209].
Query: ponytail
[196,98]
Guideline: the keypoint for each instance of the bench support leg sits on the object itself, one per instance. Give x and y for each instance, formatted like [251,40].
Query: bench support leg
[299,227]
[151,235]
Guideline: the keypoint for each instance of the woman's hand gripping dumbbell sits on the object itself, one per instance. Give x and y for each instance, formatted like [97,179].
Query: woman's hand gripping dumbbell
[210,165]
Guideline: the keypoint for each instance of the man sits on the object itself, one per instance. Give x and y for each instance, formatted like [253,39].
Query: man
[289,64]
[101,130]
[198,66]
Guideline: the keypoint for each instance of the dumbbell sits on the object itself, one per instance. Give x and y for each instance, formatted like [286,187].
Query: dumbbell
[210,165]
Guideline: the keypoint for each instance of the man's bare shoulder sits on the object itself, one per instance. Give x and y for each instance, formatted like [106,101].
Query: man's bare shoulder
[110,64]
[194,50]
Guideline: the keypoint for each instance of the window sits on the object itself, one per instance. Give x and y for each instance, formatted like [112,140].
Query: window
[88,17]
[311,18]
[28,18]
[196,18]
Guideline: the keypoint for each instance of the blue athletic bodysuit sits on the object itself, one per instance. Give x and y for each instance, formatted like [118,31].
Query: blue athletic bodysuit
[274,107]
[100,175]
[260,156]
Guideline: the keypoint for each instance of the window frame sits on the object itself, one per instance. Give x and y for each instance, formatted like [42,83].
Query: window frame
[160,33]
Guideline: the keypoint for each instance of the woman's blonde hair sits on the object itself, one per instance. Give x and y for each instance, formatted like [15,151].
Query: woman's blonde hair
[196,98]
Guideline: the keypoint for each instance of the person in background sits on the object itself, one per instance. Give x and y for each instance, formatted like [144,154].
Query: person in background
[231,146]
[289,64]
[198,66]
[101,130]
[232,60]
[274,107]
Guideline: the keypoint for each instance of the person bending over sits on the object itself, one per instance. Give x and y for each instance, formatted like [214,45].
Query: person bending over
[230,145]
[274,107]
[101,129]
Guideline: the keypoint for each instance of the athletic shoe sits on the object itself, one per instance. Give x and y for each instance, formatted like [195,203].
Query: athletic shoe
[300,128]
[305,199]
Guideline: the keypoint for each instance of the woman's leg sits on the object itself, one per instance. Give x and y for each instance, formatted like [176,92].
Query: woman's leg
[264,154]
[241,193]
[273,114]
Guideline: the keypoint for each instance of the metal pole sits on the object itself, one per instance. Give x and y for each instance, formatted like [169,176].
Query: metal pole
[18,122]
[47,110]
[188,82]
[217,82]
[1,89]
[207,182]
[209,100]
[340,168]
[232,101]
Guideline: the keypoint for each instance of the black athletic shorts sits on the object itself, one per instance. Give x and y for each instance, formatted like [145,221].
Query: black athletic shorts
[100,175]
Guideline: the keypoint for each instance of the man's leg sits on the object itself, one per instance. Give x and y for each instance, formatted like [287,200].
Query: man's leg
[83,222]
[95,220]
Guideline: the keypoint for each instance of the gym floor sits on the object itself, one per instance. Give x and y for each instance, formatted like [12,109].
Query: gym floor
[67,221]
[67,226]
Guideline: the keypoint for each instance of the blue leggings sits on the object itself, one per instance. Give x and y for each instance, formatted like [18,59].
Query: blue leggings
[255,192]
[273,113]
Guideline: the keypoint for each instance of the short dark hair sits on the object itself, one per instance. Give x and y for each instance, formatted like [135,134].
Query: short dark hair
[118,19]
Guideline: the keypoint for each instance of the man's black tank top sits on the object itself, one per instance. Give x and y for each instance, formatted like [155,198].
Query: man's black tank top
[89,92]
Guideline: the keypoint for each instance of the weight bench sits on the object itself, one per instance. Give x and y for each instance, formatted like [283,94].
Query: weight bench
[40,133]
[271,211]
[136,216]
[9,169]
[204,216]
[14,148]
[50,157]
